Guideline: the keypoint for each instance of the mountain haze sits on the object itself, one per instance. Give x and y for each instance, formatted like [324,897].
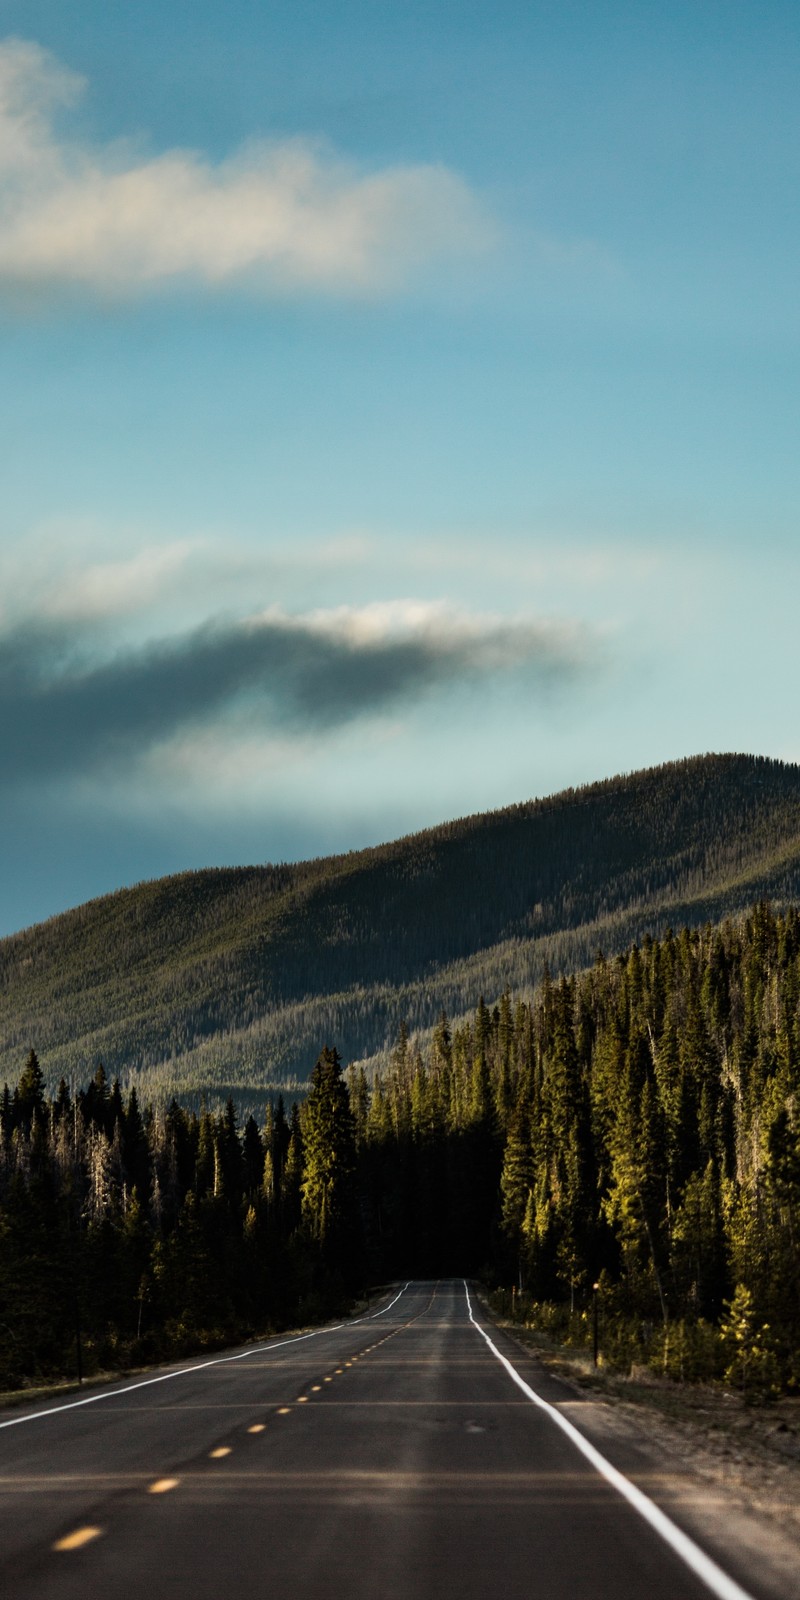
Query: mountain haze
[231,980]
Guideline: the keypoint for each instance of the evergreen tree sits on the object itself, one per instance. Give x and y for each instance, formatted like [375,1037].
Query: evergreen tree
[330,1207]
[30,1092]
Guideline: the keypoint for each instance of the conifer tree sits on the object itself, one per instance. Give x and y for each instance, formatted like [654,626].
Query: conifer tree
[30,1092]
[328,1190]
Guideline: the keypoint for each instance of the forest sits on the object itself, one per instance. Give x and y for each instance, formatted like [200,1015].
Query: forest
[635,1127]
[221,982]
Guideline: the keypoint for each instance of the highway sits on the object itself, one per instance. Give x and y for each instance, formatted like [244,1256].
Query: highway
[406,1454]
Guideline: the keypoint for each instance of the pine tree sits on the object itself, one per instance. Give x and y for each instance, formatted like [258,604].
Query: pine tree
[516,1186]
[329,1197]
[292,1186]
[252,1157]
[30,1092]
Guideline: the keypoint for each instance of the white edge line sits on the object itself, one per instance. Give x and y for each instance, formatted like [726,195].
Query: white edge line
[199,1366]
[715,1579]
[374,1314]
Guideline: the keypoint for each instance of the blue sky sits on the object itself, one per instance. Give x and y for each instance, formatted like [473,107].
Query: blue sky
[399,417]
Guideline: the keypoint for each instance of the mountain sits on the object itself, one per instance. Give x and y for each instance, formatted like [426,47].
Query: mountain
[229,981]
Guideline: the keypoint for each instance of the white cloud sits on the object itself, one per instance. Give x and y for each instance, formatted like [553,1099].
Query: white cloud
[487,639]
[119,588]
[279,216]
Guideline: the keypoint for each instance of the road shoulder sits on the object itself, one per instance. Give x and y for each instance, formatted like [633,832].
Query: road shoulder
[727,1473]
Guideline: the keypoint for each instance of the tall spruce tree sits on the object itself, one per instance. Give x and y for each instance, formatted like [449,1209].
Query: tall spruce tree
[330,1206]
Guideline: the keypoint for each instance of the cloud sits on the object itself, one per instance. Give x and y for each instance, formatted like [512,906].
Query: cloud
[274,217]
[118,588]
[63,713]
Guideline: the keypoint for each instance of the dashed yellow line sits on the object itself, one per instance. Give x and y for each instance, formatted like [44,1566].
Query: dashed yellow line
[86,1535]
[77,1539]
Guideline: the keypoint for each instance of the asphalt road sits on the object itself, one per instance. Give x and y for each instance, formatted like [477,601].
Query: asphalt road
[391,1457]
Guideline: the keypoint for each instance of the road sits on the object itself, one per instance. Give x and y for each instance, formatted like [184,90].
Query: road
[395,1456]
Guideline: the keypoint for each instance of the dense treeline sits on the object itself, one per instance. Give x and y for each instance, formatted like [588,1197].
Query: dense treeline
[636,1126]
[232,977]
[128,1235]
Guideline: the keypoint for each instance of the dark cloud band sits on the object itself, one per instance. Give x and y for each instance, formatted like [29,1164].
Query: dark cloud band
[62,714]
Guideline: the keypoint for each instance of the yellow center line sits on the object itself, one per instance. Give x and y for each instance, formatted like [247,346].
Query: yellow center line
[283,1411]
[301,1399]
[163,1485]
[221,1450]
[463,1405]
[257,1427]
[315,1388]
[76,1540]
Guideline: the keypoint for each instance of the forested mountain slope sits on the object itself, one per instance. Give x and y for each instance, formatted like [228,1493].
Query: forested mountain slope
[227,980]
[634,1128]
